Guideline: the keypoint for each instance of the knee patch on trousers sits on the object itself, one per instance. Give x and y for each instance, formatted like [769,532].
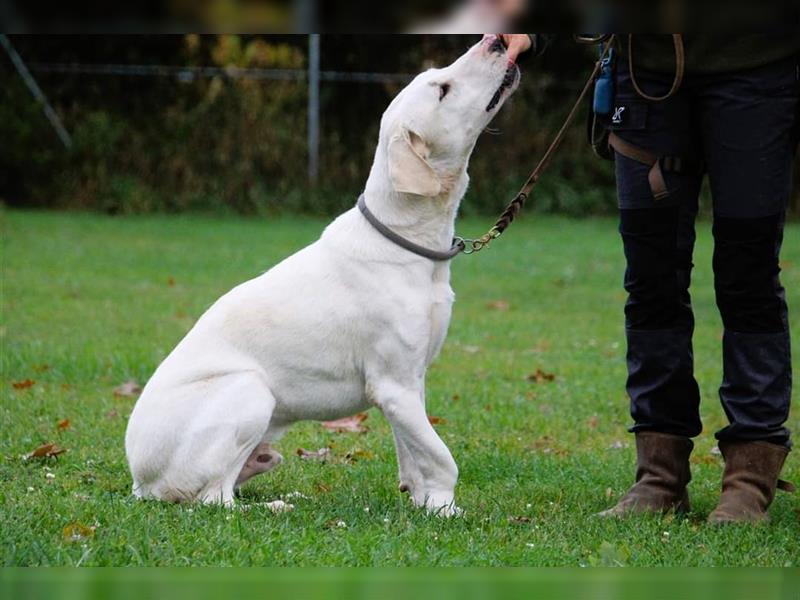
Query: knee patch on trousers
[746,268]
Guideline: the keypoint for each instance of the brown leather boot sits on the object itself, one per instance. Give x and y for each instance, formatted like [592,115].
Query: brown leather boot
[749,481]
[662,474]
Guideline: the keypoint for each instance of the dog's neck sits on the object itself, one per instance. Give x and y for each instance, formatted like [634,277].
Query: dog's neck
[429,222]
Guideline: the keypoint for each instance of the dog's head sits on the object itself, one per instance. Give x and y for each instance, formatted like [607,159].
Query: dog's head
[430,128]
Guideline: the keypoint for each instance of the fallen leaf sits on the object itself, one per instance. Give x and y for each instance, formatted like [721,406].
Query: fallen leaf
[66,386]
[502,305]
[41,368]
[540,376]
[75,532]
[63,424]
[519,520]
[322,488]
[130,388]
[171,282]
[357,454]
[23,385]
[352,424]
[321,454]
[436,420]
[45,451]
[487,407]
[593,421]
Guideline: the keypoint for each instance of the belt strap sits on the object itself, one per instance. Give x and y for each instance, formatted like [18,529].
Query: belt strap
[655,177]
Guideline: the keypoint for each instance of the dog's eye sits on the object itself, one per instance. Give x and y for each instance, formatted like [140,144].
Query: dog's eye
[443,89]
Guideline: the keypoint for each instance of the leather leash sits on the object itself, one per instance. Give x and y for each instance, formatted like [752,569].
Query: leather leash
[515,206]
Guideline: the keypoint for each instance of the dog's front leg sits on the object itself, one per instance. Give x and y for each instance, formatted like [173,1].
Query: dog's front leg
[410,477]
[406,413]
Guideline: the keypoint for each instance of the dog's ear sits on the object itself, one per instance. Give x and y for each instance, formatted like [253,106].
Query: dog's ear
[409,169]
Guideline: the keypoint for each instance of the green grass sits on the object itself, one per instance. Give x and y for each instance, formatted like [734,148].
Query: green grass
[91,301]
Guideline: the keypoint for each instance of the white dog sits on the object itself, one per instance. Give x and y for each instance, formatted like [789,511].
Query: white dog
[350,322]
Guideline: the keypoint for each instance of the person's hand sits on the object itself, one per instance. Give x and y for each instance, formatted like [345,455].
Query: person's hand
[516,43]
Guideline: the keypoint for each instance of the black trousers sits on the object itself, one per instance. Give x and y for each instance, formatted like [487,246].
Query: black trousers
[743,128]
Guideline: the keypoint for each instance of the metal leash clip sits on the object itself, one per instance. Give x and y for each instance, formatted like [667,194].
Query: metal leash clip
[470,246]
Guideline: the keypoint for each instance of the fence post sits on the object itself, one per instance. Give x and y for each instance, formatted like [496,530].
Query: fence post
[313,108]
[36,91]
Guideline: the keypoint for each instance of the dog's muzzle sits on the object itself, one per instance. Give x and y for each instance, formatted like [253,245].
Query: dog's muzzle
[510,78]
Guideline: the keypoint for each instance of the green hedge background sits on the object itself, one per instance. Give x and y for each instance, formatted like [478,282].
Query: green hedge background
[218,144]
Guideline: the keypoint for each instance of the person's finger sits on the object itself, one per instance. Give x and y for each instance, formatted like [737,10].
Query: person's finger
[517,44]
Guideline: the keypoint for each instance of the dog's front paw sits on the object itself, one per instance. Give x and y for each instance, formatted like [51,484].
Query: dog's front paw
[442,505]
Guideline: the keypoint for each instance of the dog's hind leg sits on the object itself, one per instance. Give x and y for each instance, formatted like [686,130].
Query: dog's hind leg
[229,423]
[263,458]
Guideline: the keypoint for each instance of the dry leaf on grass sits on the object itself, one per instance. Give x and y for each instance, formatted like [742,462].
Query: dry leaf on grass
[540,376]
[41,368]
[321,454]
[171,282]
[352,424]
[593,421]
[501,305]
[129,389]
[45,451]
[436,420]
[63,424]
[23,385]
[322,488]
[358,454]
[76,532]
[520,520]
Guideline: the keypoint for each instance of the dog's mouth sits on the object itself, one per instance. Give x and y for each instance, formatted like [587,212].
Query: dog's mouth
[510,78]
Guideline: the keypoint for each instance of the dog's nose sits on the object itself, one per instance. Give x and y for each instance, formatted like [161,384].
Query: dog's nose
[493,44]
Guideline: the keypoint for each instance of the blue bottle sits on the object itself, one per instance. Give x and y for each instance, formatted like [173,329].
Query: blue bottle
[603,103]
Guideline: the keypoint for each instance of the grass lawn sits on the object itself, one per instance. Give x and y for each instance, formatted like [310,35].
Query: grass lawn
[90,302]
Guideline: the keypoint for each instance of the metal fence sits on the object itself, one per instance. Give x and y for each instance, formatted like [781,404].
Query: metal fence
[313,76]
